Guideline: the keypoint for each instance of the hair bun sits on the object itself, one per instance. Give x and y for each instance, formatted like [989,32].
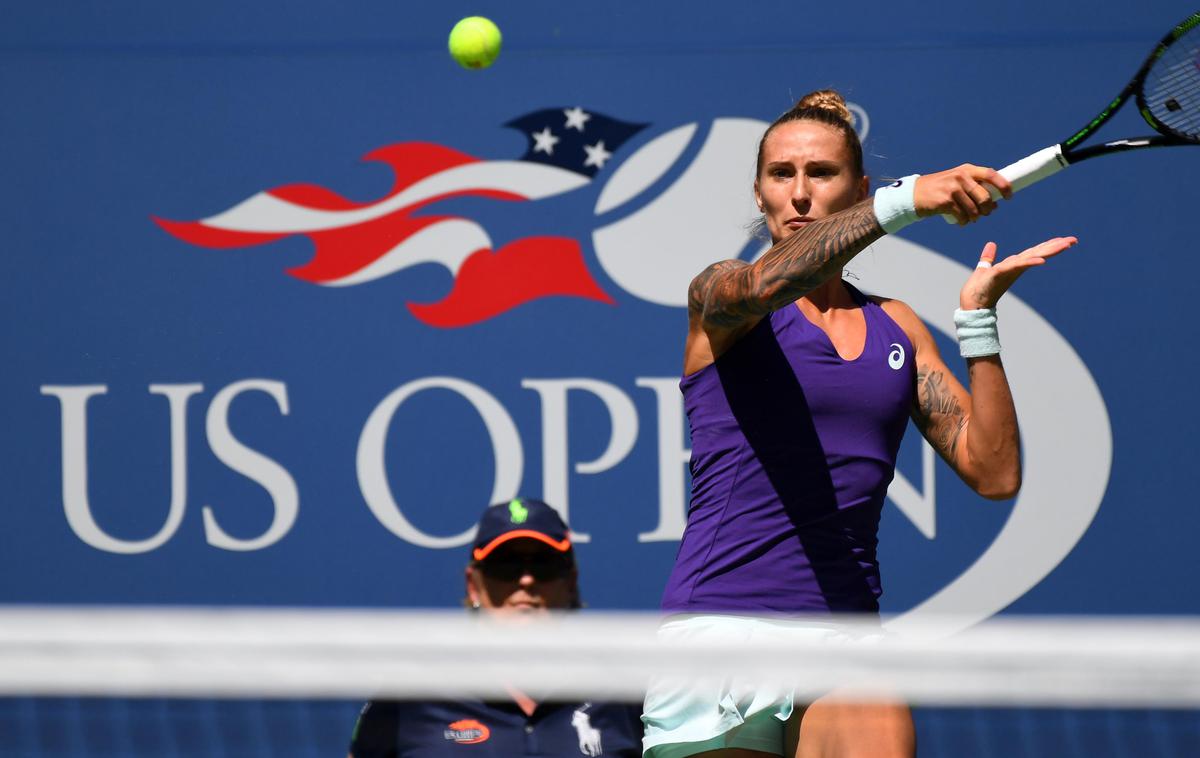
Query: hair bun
[827,100]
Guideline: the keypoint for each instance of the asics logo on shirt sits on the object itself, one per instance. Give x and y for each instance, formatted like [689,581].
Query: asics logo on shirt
[896,357]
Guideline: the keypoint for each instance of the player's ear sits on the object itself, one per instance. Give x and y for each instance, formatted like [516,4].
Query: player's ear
[474,597]
[758,198]
[864,188]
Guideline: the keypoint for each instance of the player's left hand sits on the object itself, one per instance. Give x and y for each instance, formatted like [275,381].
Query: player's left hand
[990,280]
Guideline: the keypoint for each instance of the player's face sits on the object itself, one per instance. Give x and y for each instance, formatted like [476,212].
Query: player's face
[522,576]
[807,174]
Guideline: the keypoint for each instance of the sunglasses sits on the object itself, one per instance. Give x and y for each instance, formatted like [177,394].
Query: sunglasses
[542,568]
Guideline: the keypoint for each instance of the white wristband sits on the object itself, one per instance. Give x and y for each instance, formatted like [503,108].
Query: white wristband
[977,333]
[894,204]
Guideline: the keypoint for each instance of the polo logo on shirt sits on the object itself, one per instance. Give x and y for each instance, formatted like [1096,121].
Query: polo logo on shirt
[590,740]
[467,732]
[896,357]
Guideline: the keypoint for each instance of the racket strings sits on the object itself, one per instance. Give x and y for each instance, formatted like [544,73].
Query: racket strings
[1172,88]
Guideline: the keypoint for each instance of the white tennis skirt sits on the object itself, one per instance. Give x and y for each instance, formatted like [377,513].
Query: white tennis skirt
[688,715]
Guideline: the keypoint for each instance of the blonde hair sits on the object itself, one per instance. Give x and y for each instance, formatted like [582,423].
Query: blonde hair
[826,99]
[825,106]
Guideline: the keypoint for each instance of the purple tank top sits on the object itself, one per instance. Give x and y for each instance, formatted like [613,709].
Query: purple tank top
[793,449]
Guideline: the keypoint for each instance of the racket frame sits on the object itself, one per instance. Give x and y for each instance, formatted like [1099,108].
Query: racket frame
[1050,160]
[1166,137]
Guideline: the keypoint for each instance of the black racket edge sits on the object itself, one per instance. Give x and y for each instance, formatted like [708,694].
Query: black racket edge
[1123,145]
[1167,136]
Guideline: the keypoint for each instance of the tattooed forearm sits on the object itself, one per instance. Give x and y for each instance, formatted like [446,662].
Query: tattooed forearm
[938,413]
[728,293]
[703,285]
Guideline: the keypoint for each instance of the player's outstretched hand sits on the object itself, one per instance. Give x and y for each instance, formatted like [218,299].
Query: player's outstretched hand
[961,193]
[990,280]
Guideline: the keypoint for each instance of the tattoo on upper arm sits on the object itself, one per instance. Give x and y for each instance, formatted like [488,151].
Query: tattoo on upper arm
[938,412]
[729,293]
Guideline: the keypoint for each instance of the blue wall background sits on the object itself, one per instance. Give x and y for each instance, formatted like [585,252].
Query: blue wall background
[117,113]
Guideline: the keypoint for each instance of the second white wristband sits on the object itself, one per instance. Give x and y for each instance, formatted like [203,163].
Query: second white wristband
[977,332]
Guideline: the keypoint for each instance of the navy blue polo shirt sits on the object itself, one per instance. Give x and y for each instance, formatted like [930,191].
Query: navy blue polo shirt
[475,729]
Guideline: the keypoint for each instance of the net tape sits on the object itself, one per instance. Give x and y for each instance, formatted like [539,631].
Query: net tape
[1089,662]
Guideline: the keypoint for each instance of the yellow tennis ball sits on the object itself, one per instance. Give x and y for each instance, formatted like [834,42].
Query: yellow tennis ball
[475,42]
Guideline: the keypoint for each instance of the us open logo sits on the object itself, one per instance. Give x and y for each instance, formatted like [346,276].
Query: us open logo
[630,232]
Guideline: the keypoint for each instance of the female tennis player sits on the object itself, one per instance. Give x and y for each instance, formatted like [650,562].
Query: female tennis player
[522,564]
[798,388]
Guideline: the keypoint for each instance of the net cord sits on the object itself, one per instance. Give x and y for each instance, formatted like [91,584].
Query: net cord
[361,654]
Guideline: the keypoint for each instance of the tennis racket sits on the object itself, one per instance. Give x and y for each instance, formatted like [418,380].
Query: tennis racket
[1167,90]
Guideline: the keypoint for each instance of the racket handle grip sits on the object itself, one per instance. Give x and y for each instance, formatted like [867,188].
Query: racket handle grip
[1029,170]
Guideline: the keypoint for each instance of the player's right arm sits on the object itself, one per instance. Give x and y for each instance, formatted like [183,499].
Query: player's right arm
[728,298]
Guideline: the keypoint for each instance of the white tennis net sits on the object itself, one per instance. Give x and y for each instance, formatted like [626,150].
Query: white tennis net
[359,653]
[136,682]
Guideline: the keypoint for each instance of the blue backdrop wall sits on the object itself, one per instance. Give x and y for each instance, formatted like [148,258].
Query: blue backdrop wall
[291,296]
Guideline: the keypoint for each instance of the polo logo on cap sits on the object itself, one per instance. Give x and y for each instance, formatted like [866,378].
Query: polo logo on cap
[517,512]
[467,732]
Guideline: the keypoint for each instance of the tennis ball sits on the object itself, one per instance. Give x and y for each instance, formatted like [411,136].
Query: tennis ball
[475,42]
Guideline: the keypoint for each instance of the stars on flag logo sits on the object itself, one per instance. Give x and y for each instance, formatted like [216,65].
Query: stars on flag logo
[572,138]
